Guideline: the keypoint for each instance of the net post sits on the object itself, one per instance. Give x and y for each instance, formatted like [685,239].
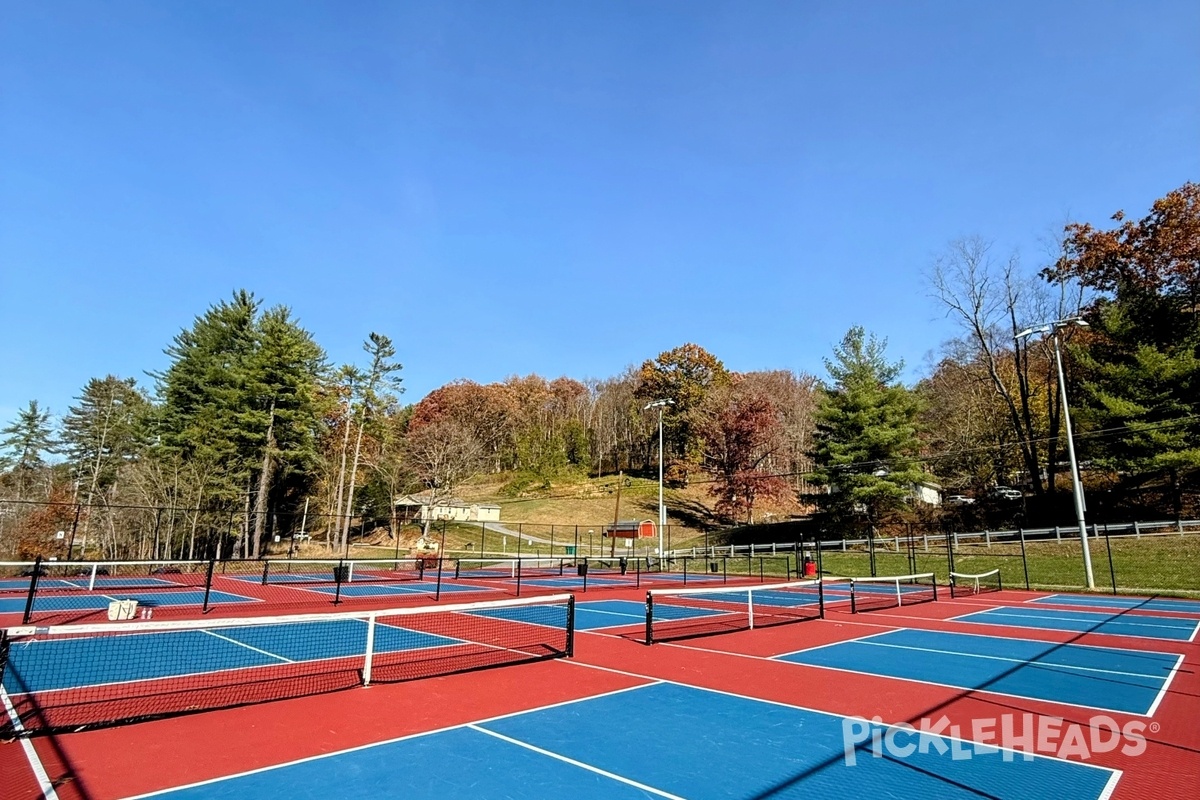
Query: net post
[518,560]
[585,573]
[437,591]
[337,580]
[33,582]
[933,580]
[92,579]
[266,566]
[750,608]
[724,569]
[571,626]
[350,572]
[999,582]
[685,566]
[649,617]
[900,595]
[369,656]
[853,595]
[208,583]
[821,596]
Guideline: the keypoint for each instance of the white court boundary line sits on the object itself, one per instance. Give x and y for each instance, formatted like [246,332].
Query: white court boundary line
[1163,692]
[1115,772]
[1125,619]
[35,762]
[1098,601]
[647,682]
[1090,631]
[894,628]
[781,659]
[926,682]
[576,763]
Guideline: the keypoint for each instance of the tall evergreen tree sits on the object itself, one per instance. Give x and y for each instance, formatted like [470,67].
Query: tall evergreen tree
[866,436]
[281,386]
[239,402]
[27,440]
[106,429]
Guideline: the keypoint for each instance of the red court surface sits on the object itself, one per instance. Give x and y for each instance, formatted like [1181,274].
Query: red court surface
[150,756]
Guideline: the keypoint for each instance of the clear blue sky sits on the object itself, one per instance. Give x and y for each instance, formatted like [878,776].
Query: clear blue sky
[554,187]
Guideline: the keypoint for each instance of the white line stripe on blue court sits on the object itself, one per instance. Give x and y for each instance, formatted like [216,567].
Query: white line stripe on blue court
[575,763]
[248,647]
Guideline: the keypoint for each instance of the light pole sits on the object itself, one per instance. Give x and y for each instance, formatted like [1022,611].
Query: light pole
[1076,485]
[662,510]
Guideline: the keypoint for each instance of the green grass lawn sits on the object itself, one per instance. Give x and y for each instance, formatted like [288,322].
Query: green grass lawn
[1149,565]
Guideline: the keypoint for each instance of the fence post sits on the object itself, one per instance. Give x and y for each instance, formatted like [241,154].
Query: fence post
[987,539]
[871,548]
[1024,559]
[1112,572]
[1057,533]
[1137,530]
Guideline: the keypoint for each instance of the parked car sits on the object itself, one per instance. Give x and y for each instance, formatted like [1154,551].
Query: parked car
[959,500]
[1006,493]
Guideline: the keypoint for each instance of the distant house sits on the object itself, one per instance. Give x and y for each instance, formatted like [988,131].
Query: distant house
[420,508]
[925,491]
[632,529]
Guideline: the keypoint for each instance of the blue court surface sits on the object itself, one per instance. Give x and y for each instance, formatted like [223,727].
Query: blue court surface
[1130,603]
[1129,681]
[665,740]
[93,601]
[83,581]
[1116,624]
[60,663]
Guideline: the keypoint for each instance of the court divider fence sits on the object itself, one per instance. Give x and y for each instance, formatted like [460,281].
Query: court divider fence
[66,592]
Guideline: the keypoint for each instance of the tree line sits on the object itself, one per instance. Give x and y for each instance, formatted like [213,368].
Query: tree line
[250,431]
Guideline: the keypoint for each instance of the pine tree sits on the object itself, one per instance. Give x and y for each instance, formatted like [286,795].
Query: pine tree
[239,403]
[866,437]
[105,430]
[27,440]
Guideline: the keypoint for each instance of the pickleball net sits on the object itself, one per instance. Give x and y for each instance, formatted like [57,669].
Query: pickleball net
[872,594]
[299,571]
[504,568]
[673,614]
[78,676]
[964,585]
